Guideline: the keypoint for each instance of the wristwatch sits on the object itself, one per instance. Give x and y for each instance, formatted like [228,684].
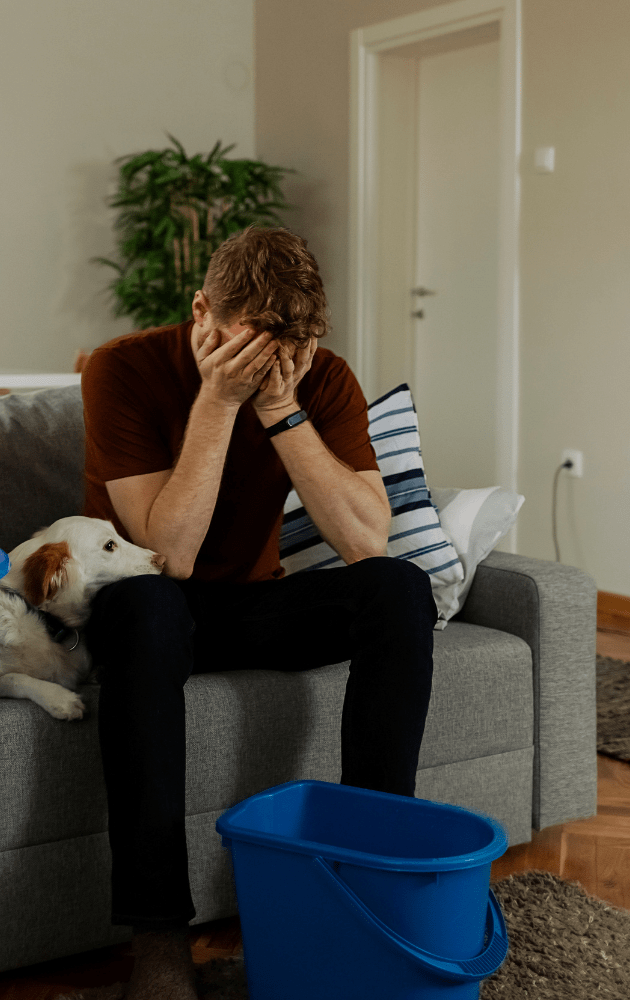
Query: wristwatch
[291,421]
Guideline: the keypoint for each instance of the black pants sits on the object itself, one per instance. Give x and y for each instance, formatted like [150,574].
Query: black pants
[147,634]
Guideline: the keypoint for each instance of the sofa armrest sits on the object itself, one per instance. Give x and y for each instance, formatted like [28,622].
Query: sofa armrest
[554,609]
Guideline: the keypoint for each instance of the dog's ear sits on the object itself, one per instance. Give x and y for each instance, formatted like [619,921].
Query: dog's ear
[45,572]
[40,531]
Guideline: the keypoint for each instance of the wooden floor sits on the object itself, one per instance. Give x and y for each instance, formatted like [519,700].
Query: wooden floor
[595,852]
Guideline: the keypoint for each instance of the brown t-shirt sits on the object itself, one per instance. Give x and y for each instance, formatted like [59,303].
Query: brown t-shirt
[138,390]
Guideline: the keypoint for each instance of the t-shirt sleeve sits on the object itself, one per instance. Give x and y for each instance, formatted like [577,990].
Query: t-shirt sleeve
[342,419]
[122,425]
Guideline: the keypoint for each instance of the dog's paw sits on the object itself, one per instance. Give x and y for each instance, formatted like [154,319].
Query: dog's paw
[64,704]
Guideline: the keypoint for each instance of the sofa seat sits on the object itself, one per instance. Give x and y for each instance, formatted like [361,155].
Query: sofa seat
[53,827]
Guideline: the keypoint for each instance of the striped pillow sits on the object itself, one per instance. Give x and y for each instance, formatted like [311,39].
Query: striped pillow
[415,532]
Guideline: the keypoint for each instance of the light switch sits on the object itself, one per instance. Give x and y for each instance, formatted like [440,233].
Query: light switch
[544,159]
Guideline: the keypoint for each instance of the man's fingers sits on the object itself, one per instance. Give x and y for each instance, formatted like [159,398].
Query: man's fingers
[247,343]
[204,338]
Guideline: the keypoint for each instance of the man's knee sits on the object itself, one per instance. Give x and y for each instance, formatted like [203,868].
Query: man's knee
[398,572]
[401,581]
[147,614]
[150,599]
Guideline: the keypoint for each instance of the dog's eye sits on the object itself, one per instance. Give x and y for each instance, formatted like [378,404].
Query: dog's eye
[110,545]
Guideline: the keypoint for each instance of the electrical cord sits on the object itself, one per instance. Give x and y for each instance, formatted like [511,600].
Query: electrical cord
[565,465]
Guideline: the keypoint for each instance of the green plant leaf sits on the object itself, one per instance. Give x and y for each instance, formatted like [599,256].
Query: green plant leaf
[156,191]
[108,263]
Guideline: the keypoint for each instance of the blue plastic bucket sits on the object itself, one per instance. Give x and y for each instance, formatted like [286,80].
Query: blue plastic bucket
[359,895]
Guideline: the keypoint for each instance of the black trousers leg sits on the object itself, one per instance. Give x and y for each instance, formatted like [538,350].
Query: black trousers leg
[150,633]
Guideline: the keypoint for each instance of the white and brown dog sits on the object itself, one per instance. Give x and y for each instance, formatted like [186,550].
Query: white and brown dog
[45,603]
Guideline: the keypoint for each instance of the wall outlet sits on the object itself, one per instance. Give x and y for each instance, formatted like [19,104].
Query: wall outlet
[576,458]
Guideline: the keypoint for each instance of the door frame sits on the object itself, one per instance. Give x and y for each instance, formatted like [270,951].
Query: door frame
[366,44]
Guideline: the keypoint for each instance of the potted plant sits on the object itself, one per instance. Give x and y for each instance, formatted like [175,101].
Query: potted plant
[175,211]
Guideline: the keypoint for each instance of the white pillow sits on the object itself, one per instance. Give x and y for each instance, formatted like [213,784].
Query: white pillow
[415,532]
[474,521]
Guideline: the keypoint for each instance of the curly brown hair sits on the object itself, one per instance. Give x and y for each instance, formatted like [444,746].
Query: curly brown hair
[268,280]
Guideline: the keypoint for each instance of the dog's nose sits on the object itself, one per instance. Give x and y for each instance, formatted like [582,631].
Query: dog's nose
[158,561]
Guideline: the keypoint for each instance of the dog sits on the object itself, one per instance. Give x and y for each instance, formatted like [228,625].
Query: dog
[45,604]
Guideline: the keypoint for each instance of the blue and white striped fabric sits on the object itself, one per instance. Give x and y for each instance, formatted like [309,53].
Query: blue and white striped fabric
[415,532]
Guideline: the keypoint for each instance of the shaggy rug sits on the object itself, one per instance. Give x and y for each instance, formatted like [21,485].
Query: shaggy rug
[564,945]
[613,708]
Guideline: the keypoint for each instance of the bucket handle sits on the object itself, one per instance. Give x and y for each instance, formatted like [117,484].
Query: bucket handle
[468,970]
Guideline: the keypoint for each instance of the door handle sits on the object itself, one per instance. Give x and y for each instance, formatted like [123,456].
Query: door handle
[419,313]
[421,291]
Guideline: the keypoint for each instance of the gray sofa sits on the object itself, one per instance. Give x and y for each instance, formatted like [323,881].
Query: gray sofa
[511,729]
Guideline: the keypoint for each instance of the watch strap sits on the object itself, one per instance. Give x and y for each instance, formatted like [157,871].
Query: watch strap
[291,421]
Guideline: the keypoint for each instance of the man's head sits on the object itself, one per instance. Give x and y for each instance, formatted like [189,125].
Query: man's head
[266,279]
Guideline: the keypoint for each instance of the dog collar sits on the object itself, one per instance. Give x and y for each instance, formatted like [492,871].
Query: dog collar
[54,626]
[57,630]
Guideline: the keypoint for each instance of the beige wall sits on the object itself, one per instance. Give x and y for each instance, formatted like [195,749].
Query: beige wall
[574,248]
[82,83]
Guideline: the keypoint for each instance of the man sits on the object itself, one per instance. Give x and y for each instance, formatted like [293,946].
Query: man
[194,435]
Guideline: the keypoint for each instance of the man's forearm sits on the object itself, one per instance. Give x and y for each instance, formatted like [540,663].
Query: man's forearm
[181,513]
[345,509]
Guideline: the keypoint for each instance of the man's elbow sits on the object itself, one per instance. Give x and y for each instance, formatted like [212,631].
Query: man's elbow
[369,555]
[177,572]
[373,553]
[380,548]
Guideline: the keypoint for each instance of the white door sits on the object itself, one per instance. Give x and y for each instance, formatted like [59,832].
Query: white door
[454,380]
[439,169]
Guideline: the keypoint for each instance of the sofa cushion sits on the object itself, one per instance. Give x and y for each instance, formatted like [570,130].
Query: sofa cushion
[415,531]
[42,447]
[51,773]
[474,521]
